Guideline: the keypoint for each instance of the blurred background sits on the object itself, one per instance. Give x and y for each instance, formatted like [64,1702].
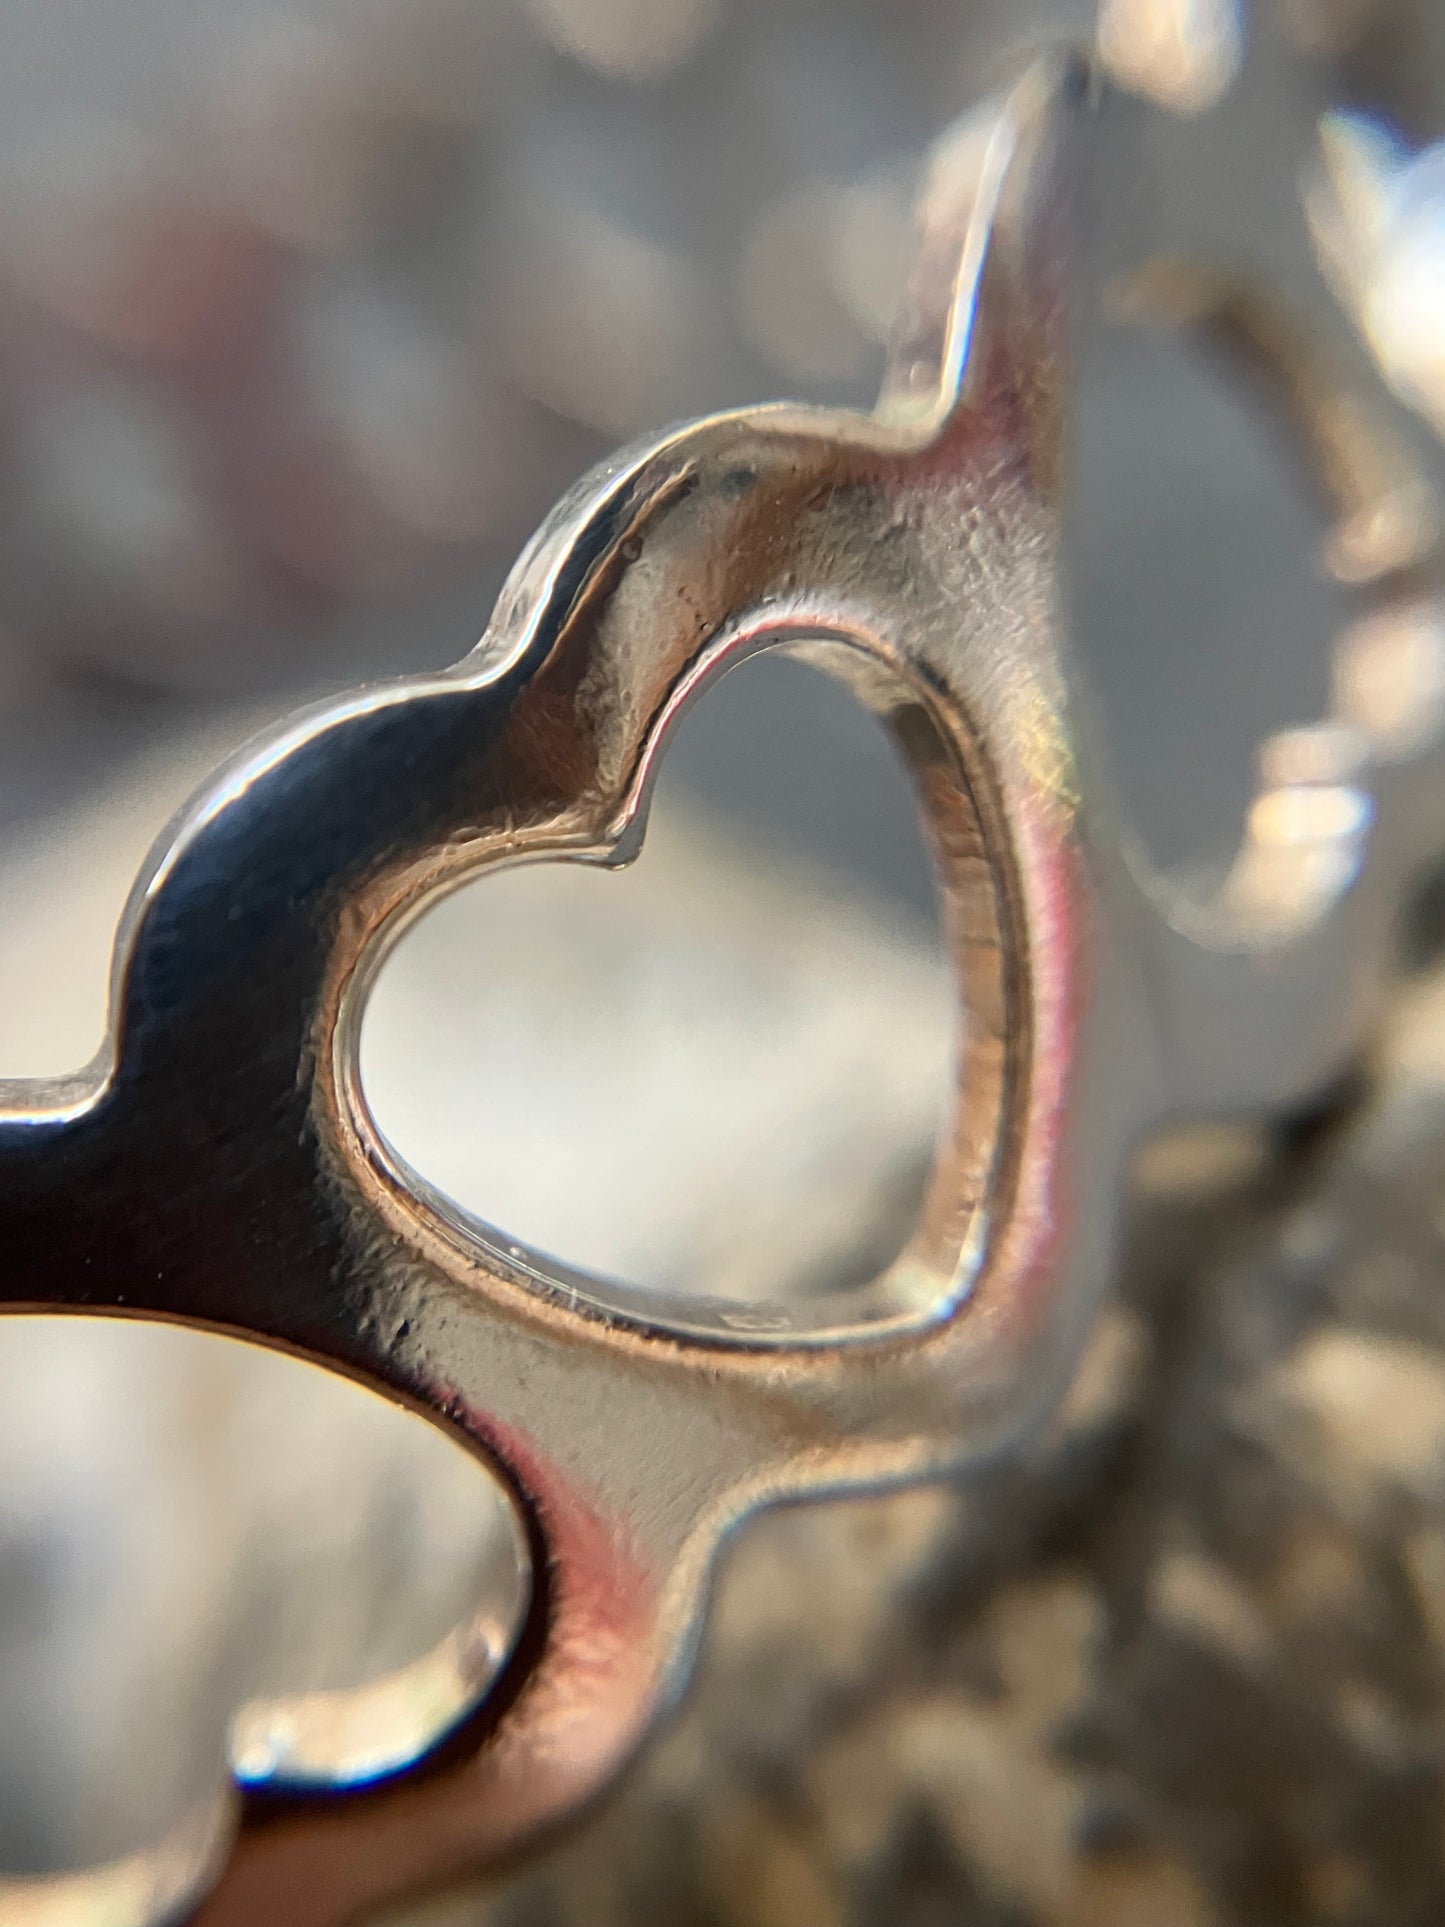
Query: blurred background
[307,314]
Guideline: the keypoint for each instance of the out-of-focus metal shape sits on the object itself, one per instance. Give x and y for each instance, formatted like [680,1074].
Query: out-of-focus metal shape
[218,1165]
[1344,816]
[1376,213]
[1182,54]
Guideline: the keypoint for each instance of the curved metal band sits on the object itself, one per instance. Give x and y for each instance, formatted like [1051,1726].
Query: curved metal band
[1267,987]
[218,1168]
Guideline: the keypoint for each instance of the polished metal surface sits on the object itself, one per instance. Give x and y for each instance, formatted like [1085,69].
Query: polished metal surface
[218,1165]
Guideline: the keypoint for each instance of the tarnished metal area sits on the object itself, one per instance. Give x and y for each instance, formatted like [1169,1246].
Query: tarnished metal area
[219,1167]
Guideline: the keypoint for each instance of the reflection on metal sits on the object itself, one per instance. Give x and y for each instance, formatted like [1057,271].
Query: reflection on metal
[1377,217]
[1390,675]
[218,1166]
[351,1736]
[1184,54]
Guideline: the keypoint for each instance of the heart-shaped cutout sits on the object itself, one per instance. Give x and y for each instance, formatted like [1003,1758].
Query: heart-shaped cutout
[719,1075]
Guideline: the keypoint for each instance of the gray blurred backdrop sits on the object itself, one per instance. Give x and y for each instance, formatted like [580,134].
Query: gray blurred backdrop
[307,314]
